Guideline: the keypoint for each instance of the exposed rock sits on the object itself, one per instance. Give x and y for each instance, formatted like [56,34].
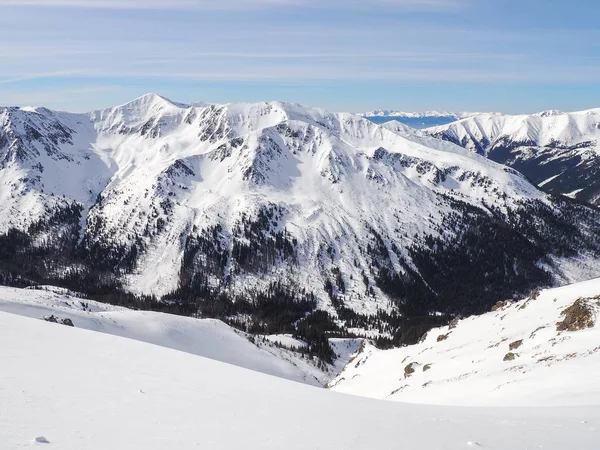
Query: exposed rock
[510,356]
[426,367]
[501,304]
[578,316]
[535,331]
[545,359]
[443,337]
[52,318]
[516,344]
[454,323]
[410,369]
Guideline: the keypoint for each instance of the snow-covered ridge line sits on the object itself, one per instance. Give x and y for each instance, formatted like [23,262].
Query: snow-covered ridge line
[543,350]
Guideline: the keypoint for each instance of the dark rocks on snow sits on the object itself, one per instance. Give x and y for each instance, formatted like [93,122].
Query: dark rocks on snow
[578,316]
[516,344]
[54,319]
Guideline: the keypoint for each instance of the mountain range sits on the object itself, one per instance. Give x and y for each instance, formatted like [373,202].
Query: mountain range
[557,151]
[277,216]
[416,119]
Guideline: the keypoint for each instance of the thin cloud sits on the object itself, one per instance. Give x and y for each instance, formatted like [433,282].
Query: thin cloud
[42,75]
[233,4]
[331,73]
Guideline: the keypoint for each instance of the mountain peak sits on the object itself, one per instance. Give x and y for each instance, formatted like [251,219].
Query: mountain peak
[151,99]
[550,113]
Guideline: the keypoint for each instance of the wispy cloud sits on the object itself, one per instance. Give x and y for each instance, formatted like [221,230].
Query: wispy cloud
[228,4]
[162,43]
[43,75]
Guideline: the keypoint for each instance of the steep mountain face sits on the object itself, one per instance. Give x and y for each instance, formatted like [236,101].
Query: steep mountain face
[555,150]
[416,119]
[239,208]
[541,350]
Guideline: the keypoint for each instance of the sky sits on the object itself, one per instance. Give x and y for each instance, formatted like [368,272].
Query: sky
[348,55]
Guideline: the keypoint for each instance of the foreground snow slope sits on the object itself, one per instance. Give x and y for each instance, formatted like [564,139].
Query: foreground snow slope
[204,337]
[466,365]
[83,390]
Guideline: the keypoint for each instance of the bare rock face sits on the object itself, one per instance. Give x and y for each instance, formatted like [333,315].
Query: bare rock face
[442,337]
[516,344]
[578,316]
[510,356]
[410,369]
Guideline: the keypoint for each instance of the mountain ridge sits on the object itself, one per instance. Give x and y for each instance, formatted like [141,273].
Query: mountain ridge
[270,199]
[557,151]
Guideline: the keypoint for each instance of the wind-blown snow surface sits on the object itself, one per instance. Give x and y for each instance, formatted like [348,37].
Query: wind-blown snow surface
[82,390]
[465,365]
[556,150]
[204,337]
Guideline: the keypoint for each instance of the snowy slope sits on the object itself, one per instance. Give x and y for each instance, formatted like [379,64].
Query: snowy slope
[557,150]
[468,363]
[80,390]
[239,196]
[204,337]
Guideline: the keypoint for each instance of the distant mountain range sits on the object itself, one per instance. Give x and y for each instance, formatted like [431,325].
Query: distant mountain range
[416,119]
[558,151]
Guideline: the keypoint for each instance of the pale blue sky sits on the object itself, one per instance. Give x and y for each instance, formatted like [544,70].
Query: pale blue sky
[481,55]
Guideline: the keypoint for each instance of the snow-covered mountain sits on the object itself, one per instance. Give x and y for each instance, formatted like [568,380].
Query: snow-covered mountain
[543,350]
[416,119]
[255,203]
[277,355]
[558,151]
[69,388]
